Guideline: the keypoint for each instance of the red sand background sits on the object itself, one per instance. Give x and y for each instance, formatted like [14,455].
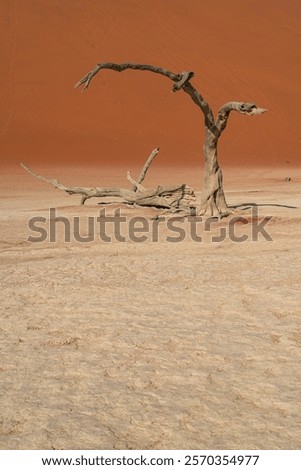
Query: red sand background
[238,49]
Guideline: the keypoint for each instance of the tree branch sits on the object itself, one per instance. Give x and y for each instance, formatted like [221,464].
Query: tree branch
[178,197]
[86,193]
[186,76]
[135,184]
[181,82]
[250,109]
[145,168]
[200,102]
[121,67]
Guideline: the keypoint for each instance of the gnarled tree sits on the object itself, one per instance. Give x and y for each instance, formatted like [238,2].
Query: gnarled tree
[213,199]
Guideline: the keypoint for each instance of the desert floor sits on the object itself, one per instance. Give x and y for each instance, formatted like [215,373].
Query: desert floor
[164,345]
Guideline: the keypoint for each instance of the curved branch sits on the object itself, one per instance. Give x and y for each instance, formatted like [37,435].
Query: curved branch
[243,108]
[201,103]
[121,67]
[181,82]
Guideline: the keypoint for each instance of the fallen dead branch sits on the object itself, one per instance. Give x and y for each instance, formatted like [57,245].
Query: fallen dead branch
[176,198]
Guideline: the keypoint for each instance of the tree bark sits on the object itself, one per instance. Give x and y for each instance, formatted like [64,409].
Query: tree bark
[213,199]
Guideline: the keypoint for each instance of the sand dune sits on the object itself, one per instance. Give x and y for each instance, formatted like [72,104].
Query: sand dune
[238,51]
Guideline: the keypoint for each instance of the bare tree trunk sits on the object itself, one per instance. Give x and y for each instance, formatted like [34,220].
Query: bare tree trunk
[213,198]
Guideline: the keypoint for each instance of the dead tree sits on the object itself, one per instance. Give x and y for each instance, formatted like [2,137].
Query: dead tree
[177,198]
[213,199]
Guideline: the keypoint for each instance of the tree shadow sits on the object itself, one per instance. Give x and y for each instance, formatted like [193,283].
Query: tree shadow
[247,205]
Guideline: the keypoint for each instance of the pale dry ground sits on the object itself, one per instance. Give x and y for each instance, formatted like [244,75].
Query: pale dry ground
[151,345]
